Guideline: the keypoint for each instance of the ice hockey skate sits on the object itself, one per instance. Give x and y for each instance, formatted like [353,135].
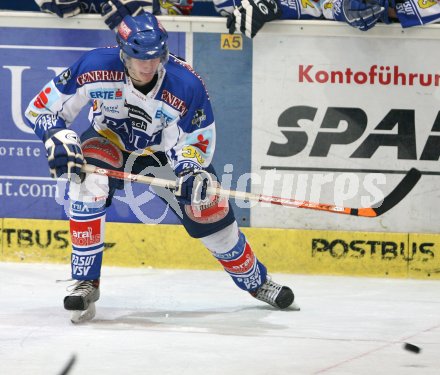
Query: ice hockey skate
[276,295]
[81,300]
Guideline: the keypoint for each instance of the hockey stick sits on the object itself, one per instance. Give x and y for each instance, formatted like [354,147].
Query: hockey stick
[392,199]
[69,365]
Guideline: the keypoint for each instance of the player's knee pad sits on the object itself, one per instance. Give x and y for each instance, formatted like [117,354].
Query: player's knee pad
[212,210]
[100,149]
[230,248]
[204,220]
[103,153]
[209,218]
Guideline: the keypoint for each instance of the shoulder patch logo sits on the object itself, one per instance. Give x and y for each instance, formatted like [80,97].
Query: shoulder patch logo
[64,77]
[198,118]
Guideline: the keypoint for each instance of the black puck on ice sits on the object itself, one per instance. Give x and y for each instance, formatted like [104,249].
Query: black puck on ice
[411,348]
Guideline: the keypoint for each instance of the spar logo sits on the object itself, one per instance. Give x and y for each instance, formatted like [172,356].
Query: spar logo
[346,125]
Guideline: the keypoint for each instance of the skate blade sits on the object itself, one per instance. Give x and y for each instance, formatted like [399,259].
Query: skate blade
[81,316]
[294,307]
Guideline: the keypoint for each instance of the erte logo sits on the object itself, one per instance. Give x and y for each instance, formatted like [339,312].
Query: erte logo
[105,94]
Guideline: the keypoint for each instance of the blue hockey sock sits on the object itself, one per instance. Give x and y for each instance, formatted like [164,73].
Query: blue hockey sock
[87,224]
[242,265]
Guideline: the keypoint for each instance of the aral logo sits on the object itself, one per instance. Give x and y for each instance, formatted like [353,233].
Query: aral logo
[397,129]
[85,233]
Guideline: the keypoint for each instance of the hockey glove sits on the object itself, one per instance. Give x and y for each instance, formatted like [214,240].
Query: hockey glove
[191,187]
[64,154]
[113,11]
[62,8]
[361,14]
[251,15]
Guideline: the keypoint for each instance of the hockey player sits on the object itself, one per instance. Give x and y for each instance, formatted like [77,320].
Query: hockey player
[145,102]
[249,16]
[113,11]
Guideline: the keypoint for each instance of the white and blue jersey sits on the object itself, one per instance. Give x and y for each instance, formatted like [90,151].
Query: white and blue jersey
[174,117]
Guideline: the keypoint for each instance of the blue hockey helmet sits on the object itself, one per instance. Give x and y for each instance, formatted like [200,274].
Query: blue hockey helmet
[143,37]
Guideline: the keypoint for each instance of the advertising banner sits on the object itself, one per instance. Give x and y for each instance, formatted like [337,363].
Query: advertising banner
[282,250]
[340,121]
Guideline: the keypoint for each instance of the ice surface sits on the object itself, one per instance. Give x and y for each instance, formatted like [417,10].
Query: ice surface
[198,322]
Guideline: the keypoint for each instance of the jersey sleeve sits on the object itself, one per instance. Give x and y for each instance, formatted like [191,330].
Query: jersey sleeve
[190,139]
[58,102]
[415,13]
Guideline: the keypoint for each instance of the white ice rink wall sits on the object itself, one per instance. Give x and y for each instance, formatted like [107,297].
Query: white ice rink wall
[311,109]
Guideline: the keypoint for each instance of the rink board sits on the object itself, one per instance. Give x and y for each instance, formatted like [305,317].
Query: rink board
[344,128]
[281,250]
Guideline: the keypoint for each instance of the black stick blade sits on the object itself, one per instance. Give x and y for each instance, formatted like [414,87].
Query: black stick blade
[399,192]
